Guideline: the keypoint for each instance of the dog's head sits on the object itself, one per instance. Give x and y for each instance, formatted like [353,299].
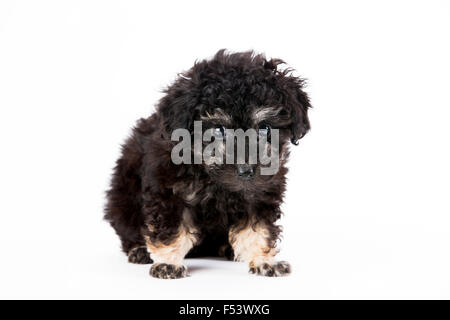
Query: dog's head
[239,91]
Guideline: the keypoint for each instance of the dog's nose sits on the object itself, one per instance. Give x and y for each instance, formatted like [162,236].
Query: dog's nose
[245,171]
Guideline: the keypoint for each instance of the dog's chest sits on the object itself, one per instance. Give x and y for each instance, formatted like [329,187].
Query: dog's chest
[219,208]
[211,206]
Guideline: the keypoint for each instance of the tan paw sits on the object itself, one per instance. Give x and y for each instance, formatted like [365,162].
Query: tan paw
[276,269]
[168,271]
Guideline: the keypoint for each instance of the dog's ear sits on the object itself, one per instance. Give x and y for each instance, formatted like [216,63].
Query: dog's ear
[299,105]
[179,107]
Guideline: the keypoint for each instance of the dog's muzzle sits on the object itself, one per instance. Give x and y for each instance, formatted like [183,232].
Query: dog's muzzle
[245,171]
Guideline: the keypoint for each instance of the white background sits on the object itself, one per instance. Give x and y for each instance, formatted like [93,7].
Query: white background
[367,212]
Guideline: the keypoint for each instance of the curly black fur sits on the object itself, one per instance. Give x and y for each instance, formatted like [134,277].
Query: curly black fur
[148,189]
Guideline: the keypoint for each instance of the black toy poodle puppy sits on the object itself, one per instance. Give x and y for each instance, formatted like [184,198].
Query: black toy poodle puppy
[163,211]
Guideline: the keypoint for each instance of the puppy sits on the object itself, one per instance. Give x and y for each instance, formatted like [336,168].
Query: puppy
[164,211]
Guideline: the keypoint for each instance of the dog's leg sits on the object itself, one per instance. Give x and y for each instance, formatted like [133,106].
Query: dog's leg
[254,244]
[226,251]
[169,256]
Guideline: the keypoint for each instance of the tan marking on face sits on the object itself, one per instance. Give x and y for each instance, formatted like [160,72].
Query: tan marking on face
[218,115]
[251,244]
[263,113]
[284,153]
[175,252]
[218,157]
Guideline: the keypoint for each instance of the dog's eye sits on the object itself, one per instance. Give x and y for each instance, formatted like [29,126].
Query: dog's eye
[264,130]
[219,132]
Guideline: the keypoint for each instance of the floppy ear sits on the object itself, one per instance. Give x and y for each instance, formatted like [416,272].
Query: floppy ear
[299,103]
[178,108]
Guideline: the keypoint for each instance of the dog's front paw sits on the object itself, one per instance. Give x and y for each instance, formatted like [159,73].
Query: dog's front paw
[168,271]
[277,269]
